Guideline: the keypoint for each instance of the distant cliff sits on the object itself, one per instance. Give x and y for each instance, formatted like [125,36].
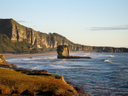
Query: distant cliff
[16,38]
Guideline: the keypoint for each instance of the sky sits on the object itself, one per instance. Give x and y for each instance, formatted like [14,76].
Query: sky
[87,22]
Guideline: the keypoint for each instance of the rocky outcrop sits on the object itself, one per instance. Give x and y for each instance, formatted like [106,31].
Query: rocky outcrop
[63,50]
[63,53]
[82,92]
[4,64]
[2,59]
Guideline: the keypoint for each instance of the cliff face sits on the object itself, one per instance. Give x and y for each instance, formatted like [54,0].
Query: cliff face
[16,38]
[17,32]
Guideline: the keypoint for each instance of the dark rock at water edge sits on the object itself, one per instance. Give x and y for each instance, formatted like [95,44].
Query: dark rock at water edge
[79,90]
[73,57]
[33,72]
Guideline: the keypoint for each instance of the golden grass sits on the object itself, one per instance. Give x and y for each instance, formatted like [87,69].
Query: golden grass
[12,82]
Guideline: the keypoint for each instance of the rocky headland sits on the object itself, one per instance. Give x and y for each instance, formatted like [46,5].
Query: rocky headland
[22,82]
[16,38]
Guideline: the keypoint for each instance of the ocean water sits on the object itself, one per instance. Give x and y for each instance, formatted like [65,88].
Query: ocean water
[106,74]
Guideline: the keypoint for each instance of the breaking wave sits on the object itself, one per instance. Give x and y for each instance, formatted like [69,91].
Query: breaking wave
[108,61]
[50,67]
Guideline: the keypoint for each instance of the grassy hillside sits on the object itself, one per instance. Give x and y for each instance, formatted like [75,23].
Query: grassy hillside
[8,46]
[12,82]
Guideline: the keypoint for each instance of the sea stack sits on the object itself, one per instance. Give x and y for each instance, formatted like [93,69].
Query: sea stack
[63,53]
[62,50]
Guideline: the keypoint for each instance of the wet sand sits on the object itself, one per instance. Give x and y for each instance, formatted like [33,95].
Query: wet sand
[35,54]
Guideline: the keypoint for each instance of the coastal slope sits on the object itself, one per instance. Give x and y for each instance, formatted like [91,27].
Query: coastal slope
[13,82]
[17,81]
[23,82]
[16,38]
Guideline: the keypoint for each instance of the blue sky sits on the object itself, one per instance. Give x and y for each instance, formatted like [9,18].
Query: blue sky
[88,22]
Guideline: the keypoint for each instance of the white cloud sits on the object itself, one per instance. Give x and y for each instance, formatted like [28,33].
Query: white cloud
[122,27]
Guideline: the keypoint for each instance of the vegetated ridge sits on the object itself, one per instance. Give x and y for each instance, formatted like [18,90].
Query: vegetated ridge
[16,38]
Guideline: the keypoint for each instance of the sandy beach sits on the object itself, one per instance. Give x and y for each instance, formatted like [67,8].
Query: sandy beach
[29,55]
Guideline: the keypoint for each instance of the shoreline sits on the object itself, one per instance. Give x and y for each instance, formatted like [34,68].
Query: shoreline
[10,55]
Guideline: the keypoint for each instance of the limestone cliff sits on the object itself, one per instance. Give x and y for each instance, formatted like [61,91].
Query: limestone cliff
[16,38]
[17,32]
